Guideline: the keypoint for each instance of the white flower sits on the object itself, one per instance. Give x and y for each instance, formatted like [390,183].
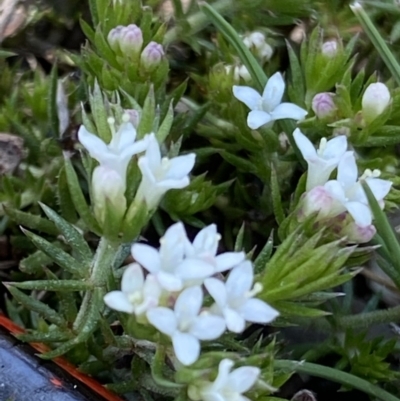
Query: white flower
[375,100]
[268,107]
[257,41]
[159,175]
[323,161]
[137,294]
[185,326]
[348,190]
[238,72]
[204,248]
[167,263]
[118,153]
[234,299]
[228,386]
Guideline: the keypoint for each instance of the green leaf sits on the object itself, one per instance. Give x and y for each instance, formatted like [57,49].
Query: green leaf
[276,198]
[37,306]
[87,29]
[64,199]
[99,112]
[264,256]
[166,125]
[32,221]
[63,259]
[239,239]
[72,236]
[53,285]
[146,124]
[52,102]
[78,199]
[39,337]
[35,263]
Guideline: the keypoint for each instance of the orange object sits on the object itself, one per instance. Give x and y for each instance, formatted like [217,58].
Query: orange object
[94,385]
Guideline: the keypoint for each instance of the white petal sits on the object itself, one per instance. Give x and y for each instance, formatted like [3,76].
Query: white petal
[273,92]
[347,170]
[361,213]
[224,369]
[169,281]
[147,256]
[305,145]
[380,188]
[207,240]
[288,110]
[249,96]
[256,311]
[336,147]
[188,304]
[124,137]
[186,347]
[234,322]
[117,300]
[132,279]
[153,153]
[152,289]
[192,269]
[243,379]
[335,189]
[207,327]
[93,144]
[180,166]
[166,184]
[240,280]
[163,319]
[228,260]
[217,290]
[257,118]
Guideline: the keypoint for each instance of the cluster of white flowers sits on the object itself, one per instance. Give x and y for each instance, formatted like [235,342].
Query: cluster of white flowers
[170,296]
[109,178]
[344,196]
[268,107]
[256,42]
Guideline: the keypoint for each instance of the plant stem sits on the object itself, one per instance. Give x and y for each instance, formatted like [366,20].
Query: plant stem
[365,320]
[344,378]
[197,21]
[100,270]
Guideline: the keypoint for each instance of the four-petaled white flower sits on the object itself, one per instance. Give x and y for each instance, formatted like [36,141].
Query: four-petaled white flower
[159,175]
[348,190]
[228,386]
[137,295]
[118,153]
[204,248]
[167,263]
[234,299]
[323,161]
[268,107]
[185,326]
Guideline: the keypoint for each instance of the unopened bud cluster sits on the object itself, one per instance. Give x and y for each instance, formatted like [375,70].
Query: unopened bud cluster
[128,41]
[256,42]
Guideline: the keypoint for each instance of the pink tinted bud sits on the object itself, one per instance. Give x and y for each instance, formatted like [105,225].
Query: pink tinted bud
[323,105]
[151,56]
[134,117]
[317,201]
[329,48]
[357,234]
[131,40]
[114,37]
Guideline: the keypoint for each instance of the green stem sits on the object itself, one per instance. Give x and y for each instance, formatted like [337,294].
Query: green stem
[377,40]
[100,271]
[335,375]
[365,320]
[197,21]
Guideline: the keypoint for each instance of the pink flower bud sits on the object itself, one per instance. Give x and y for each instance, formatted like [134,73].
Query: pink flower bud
[151,56]
[329,48]
[134,117]
[317,201]
[323,105]
[357,234]
[131,40]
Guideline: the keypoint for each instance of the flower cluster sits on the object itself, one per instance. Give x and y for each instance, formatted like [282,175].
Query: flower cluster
[128,40]
[342,201]
[227,385]
[170,296]
[268,107]
[109,178]
[256,42]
